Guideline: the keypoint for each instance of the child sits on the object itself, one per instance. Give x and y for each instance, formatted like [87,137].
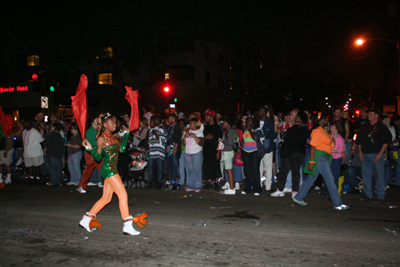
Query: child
[156,137]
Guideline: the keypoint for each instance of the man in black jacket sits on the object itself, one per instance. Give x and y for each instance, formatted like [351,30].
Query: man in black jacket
[211,167]
[173,147]
[53,150]
[292,154]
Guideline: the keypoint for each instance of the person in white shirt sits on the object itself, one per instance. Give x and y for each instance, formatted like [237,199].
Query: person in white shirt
[194,141]
[147,114]
[33,149]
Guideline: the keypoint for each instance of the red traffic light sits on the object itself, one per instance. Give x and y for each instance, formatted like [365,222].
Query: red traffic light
[166,89]
[357,112]
[34,76]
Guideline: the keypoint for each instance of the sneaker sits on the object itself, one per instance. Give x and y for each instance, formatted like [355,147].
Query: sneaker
[287,190]
[189,189]
[299,202]
[342,207]
[237,186]
[317,188]
[167,187]
[80,190]
[230,191]
[50,184]
[278,193]
[244,193]
[176,187]
[256,194]
[8,180]
[197,190]
[91,184]
[225,186]
[71,183]
[100,184]
[294,193]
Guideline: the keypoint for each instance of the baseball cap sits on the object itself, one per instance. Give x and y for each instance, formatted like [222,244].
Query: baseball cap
[210,113]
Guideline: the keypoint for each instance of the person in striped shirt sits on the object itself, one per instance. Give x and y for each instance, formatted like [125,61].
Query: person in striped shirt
[157,137]
[252,152]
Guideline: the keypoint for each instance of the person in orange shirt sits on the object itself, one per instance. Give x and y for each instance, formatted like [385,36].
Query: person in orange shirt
[319,163]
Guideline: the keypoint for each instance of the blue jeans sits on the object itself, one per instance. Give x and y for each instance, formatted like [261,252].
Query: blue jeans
[335,169]
[194,164]
[352,173]
[55,169]
[237,172]
[155,170]
[172,167]
[182,168]
[324,169]
[74,166]
[370,168]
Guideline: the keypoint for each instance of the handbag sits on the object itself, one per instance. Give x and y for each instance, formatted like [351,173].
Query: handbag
[237,160]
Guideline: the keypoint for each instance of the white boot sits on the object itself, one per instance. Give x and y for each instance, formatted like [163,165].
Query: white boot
[84,223]
[128,228]
[8,178]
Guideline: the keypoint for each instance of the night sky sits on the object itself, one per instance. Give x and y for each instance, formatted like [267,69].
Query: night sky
[321,35]
[305,36]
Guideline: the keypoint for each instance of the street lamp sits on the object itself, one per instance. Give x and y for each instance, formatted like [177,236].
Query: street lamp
[361,41]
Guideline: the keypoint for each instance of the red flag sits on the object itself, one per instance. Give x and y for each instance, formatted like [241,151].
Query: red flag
[6,122]
[132,97]
[79,105]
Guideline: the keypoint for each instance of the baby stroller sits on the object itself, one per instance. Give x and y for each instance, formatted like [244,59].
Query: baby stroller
[138,167]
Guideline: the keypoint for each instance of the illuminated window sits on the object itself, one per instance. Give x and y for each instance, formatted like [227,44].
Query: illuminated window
[104,78]
[33,60]
[260,64]
[108,52]
[166,76]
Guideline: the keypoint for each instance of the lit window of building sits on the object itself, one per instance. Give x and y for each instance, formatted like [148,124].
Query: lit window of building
[260,64]
[166,75]
[33,60]
[108,52]
[104,78]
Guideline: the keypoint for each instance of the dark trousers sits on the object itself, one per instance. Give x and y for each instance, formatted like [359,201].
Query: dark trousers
[172,167]
[251,162]
[124,164]
[211,169]
[155,170]
[55,168]
[292,163]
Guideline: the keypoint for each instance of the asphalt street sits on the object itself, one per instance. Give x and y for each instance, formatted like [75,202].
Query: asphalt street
[39,227]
